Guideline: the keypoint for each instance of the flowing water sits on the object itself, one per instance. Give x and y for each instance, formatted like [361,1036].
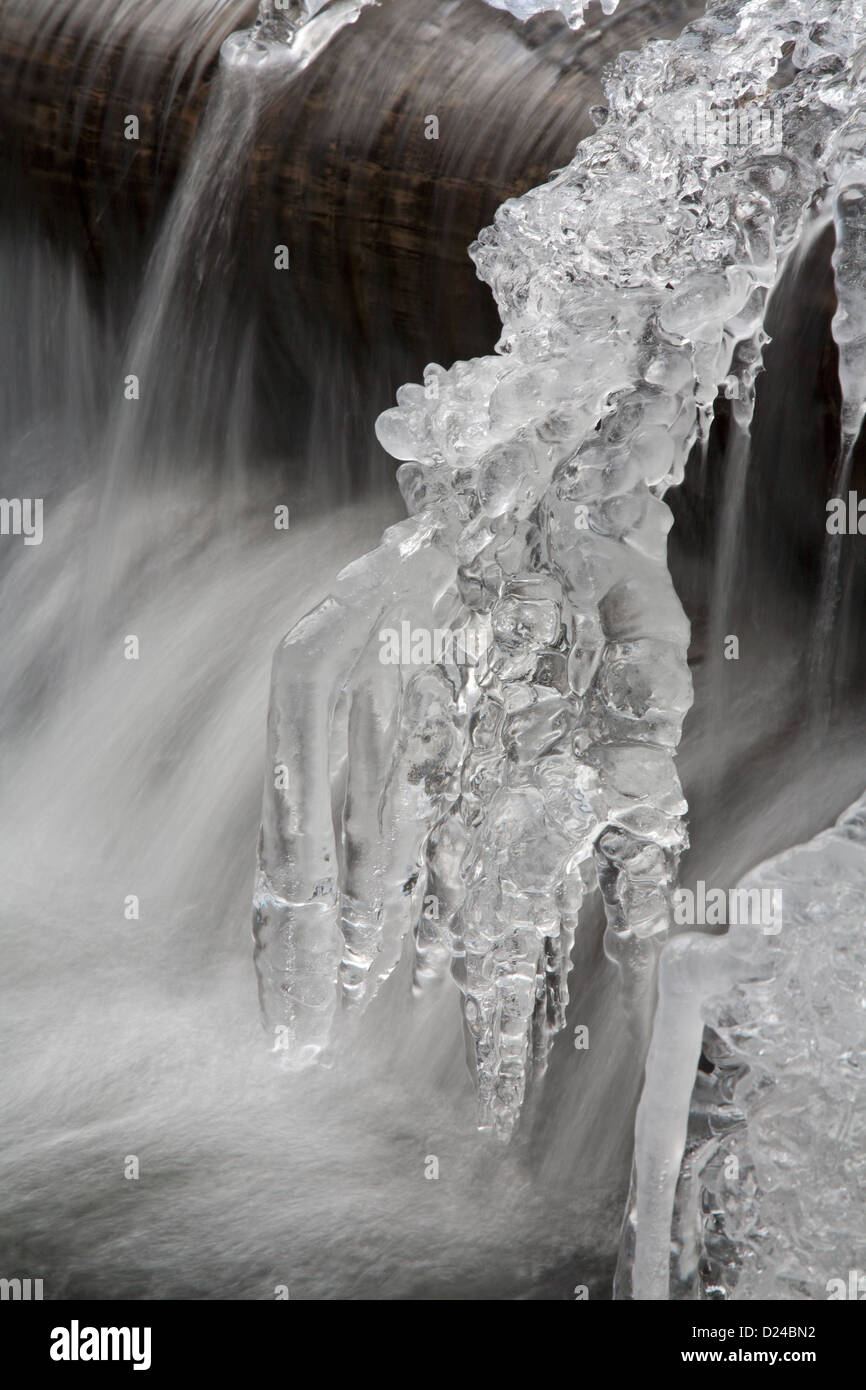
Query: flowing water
[131,792]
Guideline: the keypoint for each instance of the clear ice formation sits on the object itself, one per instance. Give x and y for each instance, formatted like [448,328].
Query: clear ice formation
[289,34]
[476,802]
[574,11]
[739,1246]
[770,1196]
[849,333]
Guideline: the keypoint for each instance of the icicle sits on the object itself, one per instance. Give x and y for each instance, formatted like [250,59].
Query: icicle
[849,332]
[298,899]
[288,35]
[631,288]
[849,321]
[691,969]
[783,994]
[384,827]
[574,11]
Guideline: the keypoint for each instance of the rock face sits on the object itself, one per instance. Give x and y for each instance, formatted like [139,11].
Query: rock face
[377,209]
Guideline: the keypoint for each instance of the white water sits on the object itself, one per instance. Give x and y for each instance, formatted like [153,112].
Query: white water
[140,1037]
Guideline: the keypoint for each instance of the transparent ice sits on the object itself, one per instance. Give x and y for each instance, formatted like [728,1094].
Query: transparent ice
[574,11]
[770,1195]
[720,1237]
[289,34]
[476,805]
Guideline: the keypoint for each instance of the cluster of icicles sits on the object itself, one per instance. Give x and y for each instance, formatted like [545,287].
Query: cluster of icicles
[765,1150]
[279,21]
[474,803]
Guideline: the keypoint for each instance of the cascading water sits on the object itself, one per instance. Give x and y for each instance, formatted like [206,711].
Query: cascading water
[425,809]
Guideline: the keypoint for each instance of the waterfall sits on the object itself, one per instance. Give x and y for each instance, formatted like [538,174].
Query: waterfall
[484,734]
